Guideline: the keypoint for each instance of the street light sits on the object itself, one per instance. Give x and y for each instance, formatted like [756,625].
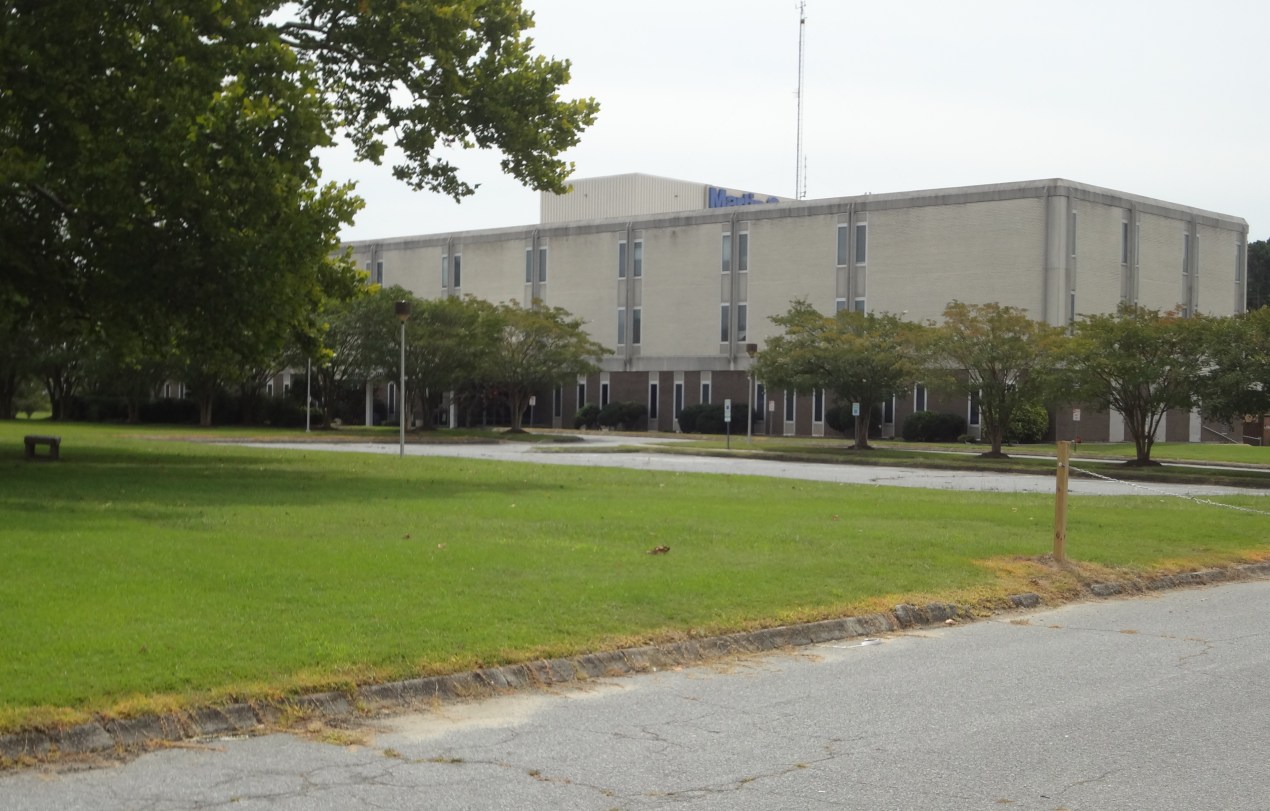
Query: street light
[751,350]
[403,314]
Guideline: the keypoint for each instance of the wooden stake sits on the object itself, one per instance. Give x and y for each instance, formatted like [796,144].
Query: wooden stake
[1060,503]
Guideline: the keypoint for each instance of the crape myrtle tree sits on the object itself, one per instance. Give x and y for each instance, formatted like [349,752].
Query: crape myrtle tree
[1235,382]
[997,354]
[158,175]
[539,348]
[1140,362]
[862,358]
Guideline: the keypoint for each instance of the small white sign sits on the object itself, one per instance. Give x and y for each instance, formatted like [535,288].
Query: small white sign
[855,409]
[1075,415]
[727,411]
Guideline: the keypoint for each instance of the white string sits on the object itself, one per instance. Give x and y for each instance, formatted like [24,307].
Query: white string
[1167,493]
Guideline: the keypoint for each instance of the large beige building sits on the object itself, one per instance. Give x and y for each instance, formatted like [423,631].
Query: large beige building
[678,277]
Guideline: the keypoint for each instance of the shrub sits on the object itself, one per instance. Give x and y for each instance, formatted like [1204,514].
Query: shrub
[839,418]
[170,410]
[622,415]
[1029,423]
[588,416]
[931,426]
[707,418]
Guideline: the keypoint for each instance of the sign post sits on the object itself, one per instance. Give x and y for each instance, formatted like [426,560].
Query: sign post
[727,420]
[533,401]
[1060,503]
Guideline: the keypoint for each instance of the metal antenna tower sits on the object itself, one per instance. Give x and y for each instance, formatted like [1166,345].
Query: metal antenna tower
[800,172]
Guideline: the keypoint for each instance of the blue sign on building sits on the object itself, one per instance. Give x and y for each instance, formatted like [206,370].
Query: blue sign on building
[719,198]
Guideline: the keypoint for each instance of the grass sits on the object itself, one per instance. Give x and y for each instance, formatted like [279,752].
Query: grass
[145,574]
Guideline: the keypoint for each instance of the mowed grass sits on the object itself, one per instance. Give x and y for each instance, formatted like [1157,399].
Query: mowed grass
[143,573]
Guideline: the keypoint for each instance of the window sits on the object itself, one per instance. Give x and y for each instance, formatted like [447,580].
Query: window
[638,259]
[1071,236]
[458,271]
[604,394]
[542,264]
[818,405]
[636,331]
[789,406]
[679,399]
[727,253]
[974,408]
[557,401]
[724,313]
[392,398]
[859,304]
[167,391]
[529,266]
[705,391]
[839,305]
[445,260]
[760,401]
[1186,255]
[743,252]
[1071,307]
[379,272]
[861,243]
[740,320]
[581,393]
[621,259]
[652,401]
[621,326]
[1124,242]
[919,397]
[268,389]
[888,411]
[844,233]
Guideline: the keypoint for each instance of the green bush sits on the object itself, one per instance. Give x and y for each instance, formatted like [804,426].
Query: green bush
[1029,423]
[839,418]
[170,410]
[588,416]
[707,418]
[931,426]
[624,416]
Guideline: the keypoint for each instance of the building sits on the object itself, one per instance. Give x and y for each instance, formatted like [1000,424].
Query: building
[678,277]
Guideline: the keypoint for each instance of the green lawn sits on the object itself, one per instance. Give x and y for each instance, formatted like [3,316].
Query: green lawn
[142,572]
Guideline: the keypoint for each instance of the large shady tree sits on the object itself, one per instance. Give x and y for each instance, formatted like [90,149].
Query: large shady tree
[862,358]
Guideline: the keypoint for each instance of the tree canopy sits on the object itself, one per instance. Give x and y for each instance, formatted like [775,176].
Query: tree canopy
[1258,274]
[159,180]
[863,358]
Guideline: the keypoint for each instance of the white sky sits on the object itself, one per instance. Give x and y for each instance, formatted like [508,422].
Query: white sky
[1162,98]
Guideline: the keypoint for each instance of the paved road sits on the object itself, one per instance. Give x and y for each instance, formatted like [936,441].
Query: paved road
[1156,703]
[596,452]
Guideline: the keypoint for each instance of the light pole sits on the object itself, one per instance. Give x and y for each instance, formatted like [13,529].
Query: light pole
[751,350]
[403,313]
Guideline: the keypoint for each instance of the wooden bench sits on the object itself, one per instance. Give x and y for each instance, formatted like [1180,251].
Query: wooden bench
[54,443]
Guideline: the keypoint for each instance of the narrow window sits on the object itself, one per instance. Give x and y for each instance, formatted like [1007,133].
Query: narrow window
[652,401]
[760,401]
[818,405]
[727,253]
[1186,254]
[268,389]
[679,399]
[1071,236]
[445,260]
[542,264]
[888,411]
[557,401]
[621,326]
[581,393]
[379,272]
[740,320]
[529,266]
[638,270]
[621,259]
[604,394]
[861,243]
[743,252]
[392,398]
[789,406]
[458,271]
[636,331]
[844,233]
[974,408]
[919,398]
[1124,242]
[724,313]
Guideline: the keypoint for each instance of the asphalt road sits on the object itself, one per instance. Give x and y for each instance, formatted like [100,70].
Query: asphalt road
[595,451]
[1153,703]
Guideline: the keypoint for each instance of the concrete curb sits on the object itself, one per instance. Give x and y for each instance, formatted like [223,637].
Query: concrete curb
[119,735]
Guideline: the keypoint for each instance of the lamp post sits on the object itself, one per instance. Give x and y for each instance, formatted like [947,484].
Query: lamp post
[403,314]
[751,350]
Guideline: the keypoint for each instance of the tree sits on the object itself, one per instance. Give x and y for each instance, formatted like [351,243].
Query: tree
[450,343]
[998,354]
[863,358]
[1140,362]
[1258,274]
[540,348]
[1236,380]
[158,170]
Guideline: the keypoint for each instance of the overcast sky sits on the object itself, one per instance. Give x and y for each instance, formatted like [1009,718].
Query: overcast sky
[1162,98]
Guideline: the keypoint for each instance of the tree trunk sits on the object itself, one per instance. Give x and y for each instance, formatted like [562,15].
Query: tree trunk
[862,429]
[205,410]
